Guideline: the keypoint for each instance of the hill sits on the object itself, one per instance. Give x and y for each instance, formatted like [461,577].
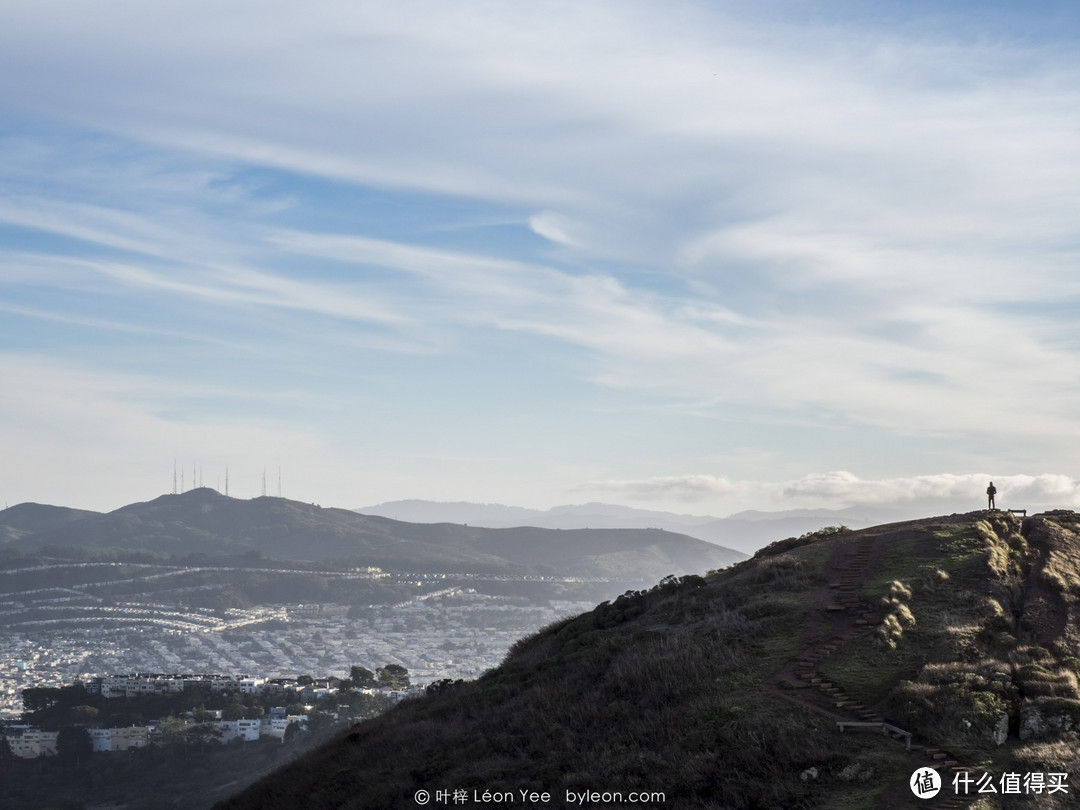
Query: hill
[204,522]
[26,519]
[959,634]
[744,531]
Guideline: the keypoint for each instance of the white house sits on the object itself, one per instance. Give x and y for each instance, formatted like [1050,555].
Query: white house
[27,742]
[246,730]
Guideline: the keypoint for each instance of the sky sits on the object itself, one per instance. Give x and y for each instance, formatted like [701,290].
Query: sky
[694,256]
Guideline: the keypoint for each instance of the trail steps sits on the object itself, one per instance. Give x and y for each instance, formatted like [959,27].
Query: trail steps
[852,618]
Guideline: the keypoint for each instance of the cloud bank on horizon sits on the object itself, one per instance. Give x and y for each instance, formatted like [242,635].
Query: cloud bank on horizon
[668,252]
[910,496]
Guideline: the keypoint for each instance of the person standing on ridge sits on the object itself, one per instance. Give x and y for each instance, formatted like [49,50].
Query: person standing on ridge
[991,491]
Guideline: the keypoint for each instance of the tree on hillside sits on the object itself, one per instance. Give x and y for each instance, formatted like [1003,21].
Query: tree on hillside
[193,697]
[6,754]
[203,733]
[234,710]
[43,698]
[39,698]
[393,676]
[83,714]
[73,744]
[291,731]
[318,721]
[172,734]
[362,678]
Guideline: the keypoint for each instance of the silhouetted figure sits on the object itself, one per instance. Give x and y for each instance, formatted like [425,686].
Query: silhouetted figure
[991,491]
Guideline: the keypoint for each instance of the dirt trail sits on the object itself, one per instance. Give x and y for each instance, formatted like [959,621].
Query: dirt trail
[845,617]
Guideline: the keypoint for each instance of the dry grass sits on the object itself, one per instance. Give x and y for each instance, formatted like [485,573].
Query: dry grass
[1045,757]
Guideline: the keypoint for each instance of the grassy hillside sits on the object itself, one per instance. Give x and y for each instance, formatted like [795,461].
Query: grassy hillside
[724,691]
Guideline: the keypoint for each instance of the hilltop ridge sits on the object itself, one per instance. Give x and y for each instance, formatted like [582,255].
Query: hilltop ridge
[203,521]
[724,690]
[745,531]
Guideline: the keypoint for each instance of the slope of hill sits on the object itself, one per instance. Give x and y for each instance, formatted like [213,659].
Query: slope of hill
[726,691]
[205,522]
[25,519]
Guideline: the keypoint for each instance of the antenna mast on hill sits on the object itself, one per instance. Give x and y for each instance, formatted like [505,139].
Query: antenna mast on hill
[174,475]
[264,482]
[226,482]
[279,481]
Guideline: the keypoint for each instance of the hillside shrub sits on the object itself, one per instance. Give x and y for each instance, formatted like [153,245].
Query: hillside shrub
[790,543]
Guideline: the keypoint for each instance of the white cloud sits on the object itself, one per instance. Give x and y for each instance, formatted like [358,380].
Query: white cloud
[596,312]
[686,488]
[107,438]
[841,489]
[1024,491]
[555,227]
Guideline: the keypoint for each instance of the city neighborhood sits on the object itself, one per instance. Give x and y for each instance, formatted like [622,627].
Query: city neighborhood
[299,698]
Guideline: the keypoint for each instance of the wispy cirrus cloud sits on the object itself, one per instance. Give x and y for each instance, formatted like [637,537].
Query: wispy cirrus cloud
[859,227]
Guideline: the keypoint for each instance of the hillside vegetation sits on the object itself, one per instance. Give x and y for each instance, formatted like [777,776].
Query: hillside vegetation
[724,690]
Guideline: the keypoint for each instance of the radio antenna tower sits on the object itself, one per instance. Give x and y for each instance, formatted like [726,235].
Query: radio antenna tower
[264,482]
[226,482]
[174,475]
[279,481]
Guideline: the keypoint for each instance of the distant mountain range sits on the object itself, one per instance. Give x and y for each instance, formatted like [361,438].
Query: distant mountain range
[745,531]
[204,522]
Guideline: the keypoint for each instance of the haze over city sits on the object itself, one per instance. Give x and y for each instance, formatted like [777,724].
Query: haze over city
[698,257]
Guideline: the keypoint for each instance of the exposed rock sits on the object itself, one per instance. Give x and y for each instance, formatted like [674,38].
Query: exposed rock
[809,774]
[1001,730]
[855,771]
[849,773]
[1061,722]
[1032,723]
[1036,723]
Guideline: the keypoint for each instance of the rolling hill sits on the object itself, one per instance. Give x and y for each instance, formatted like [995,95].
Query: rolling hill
[745,531]
[949,644]
[27,519]
[204,522]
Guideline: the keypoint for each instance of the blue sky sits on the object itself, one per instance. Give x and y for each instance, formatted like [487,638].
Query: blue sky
[690,256]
